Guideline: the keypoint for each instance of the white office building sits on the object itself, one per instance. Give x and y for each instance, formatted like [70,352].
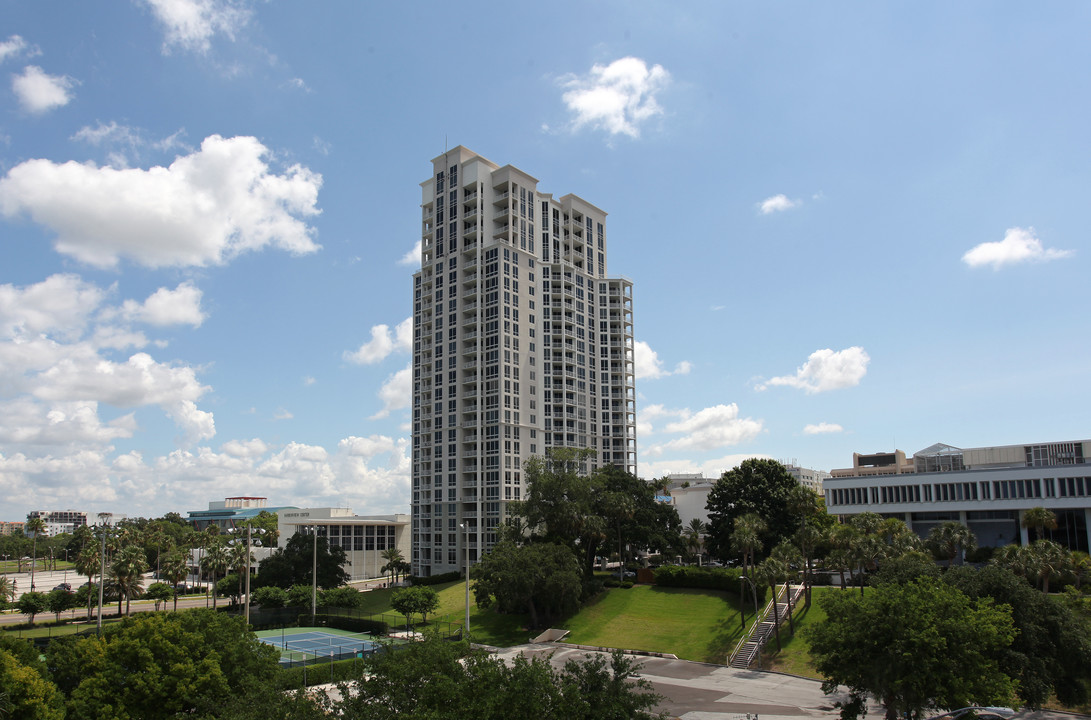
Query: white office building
[987,489]
[521,344]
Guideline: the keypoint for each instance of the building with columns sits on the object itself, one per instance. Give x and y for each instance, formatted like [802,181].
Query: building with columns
[988,489]
[522,343]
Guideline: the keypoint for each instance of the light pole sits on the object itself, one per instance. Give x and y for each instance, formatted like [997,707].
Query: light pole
[466,533]
[314,574]
[104,519]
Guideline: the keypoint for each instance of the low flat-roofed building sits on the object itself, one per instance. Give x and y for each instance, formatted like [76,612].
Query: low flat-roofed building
[362,537]
[988,489]
[231,511]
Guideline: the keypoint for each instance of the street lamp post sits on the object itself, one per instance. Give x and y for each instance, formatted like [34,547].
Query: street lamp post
[104,519]
[466,533]
[314,574]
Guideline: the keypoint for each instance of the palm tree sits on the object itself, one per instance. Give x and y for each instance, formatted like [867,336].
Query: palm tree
[215,561]
[1040,519]
[1047,559]
[771,571]
[787,555]
[393,556]
[240,560]
[695,531]
[176,569]
[949,539]
[7,591]
[89,563]
[128,570]
[34,525]
[842,538]
[746,537]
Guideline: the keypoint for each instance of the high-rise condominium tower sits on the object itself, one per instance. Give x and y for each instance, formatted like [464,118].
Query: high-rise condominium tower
[521,344]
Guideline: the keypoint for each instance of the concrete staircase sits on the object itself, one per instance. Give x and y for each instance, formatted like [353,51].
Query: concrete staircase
[749,647]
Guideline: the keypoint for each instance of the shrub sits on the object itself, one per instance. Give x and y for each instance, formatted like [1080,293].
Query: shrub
[705,578]
[346,597]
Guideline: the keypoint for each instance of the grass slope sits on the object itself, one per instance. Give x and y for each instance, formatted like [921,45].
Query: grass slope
[693,624]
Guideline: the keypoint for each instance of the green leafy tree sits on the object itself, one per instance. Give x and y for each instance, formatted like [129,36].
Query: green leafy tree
[912,647]
[416,600]
[291,565]
[543,580]
[590,513]
[32,603]
[906,568]
[159,593]
[342,597]
[437,680]
[299,596]
[60,600]
[155,666]
[1051,651]
[270,597]
[759,486]
[25,694]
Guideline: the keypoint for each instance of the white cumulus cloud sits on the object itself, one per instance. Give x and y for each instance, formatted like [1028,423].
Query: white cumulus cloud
[412,258]
[617,97]
[382,343]
[648,366]
[395,392]
[822,428]
[181,306]
[713,427]
[205,208]
[826,370]
[39,92]
[12,47]
[1019,245]
[191,24]
[777,203]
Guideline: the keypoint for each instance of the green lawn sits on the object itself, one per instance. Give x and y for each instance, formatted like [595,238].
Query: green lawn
[692,624]
[794,656]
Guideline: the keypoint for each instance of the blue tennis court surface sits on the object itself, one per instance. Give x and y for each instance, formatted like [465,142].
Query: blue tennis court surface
[320,644]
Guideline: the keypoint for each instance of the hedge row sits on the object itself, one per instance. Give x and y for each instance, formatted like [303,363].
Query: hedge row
[319,673]
[436,579]
[706,578]
[344,622]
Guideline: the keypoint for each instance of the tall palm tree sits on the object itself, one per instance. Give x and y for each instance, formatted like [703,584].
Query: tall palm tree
[176,569]
[695,532]
[34,525]
[788,555]
[1048,559]
[1040,519]
[89,562]
[215,561]
[746,538]
[240,561]
[771,571]
[128,570]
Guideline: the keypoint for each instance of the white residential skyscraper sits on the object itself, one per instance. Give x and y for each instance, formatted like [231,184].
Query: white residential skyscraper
[521,344]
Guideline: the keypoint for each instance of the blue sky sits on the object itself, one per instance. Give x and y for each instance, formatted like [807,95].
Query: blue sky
[851,226]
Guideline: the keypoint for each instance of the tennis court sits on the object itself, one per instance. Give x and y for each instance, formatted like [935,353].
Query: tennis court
[310,644]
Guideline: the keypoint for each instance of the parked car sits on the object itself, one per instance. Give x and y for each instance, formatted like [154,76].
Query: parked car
[64,586]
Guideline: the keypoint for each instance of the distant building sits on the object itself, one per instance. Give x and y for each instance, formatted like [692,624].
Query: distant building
[60,521]
[987,489]
[808,478]
[362,537]
[230,512]
[7,528]
[689,495]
